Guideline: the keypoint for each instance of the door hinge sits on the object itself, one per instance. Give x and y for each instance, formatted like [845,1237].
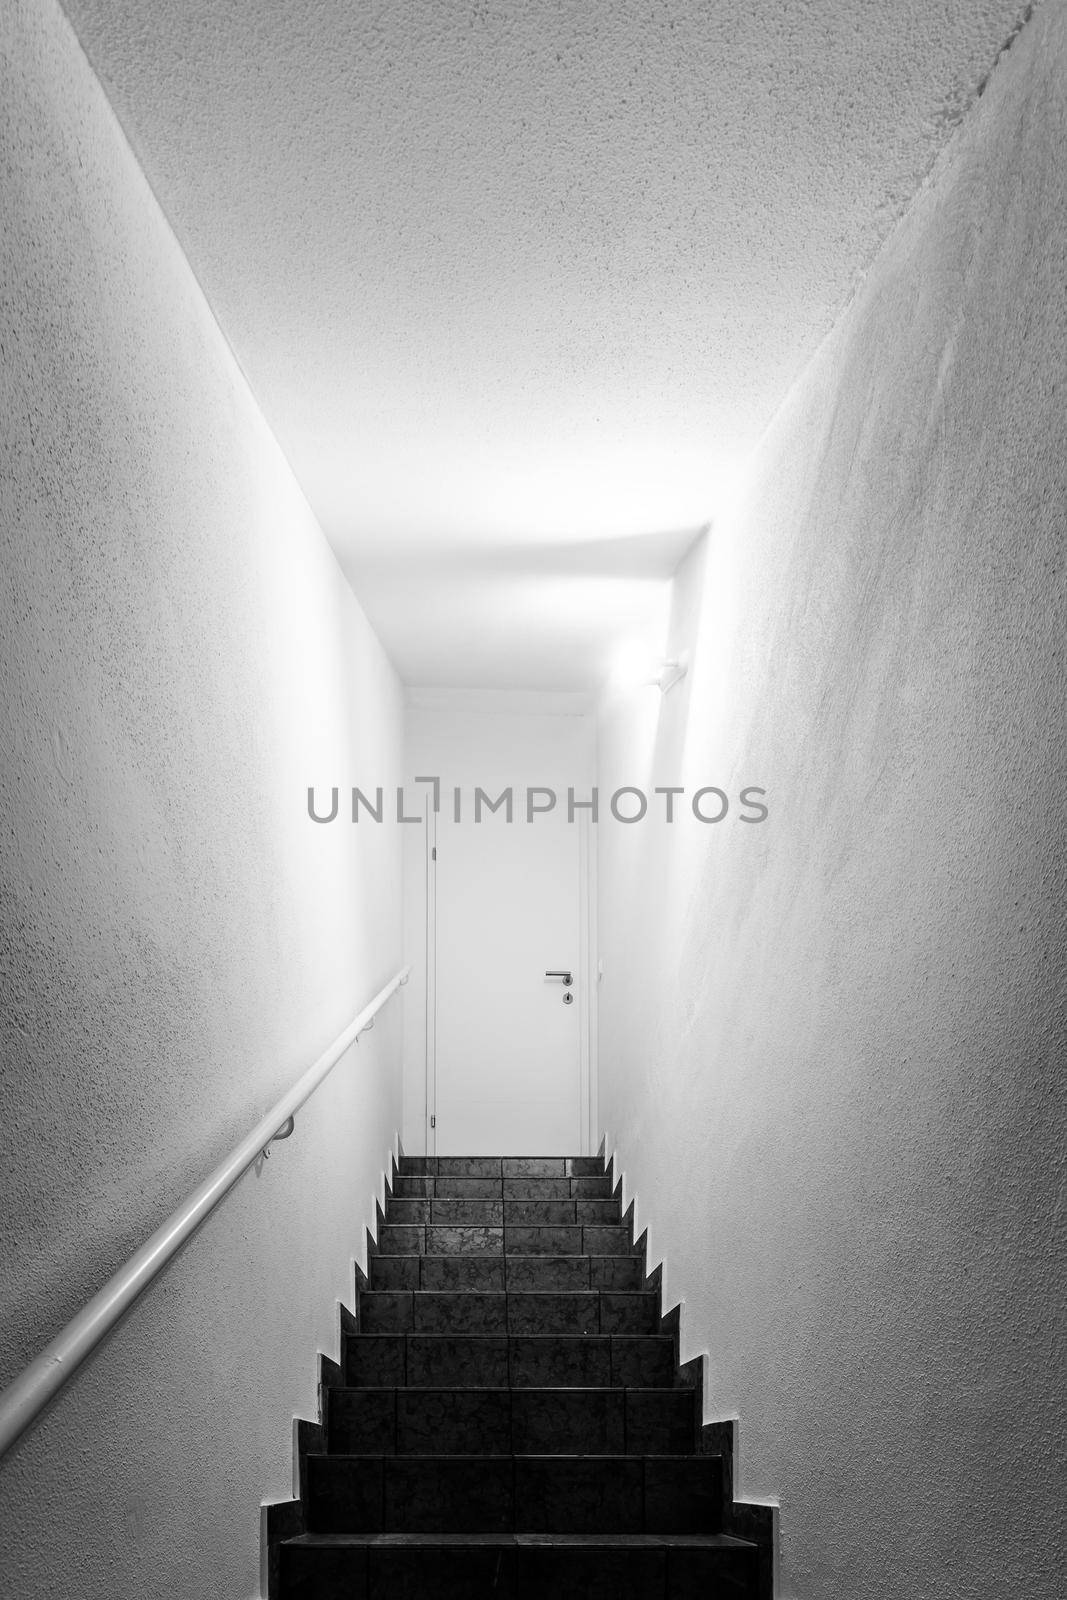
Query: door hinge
[433,1122]
[433,853]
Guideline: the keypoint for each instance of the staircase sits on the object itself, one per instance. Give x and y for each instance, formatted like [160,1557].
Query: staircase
[509,1419]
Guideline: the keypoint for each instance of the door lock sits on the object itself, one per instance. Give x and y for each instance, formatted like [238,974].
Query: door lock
[568,999]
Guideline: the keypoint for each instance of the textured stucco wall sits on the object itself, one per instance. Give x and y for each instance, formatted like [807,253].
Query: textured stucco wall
[830,1043]
[180,657]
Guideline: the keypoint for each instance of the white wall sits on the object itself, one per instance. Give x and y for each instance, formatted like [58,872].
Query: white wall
[830,1043]
[181,657]
[492,739]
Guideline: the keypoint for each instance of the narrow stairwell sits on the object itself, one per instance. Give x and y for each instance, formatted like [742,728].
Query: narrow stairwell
[510,1419]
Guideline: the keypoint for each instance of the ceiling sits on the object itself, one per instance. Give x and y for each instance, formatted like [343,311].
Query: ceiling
[518,283]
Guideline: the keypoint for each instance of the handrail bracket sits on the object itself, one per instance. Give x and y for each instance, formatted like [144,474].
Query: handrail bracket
[284,1132]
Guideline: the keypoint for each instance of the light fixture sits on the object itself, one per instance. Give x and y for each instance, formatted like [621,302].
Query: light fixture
[641,664]
[671,672]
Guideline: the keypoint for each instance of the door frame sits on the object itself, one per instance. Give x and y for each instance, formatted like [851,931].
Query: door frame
[587,996]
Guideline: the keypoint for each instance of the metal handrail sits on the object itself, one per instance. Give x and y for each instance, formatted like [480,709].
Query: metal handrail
[24,1399]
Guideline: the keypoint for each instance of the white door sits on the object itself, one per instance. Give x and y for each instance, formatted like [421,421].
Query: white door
[510,904]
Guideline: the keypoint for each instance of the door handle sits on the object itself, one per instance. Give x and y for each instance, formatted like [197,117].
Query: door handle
[567,979]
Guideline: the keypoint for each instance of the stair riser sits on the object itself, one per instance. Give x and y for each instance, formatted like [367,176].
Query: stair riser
[504,1213]
[537,1361]
[406,1311]
[539,1273]
[501,1166]
[515,1572]
[447,1494]
[402,1239]
[506,1422]
[429,1188]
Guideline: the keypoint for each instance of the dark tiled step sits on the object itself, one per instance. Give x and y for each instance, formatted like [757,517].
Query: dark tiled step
[479,1421]
[410,1239]
[483,1272]
[450,1166]
[401,1239]
[480,1311]
[510,1494]
[485,1213]
[456,1273]
[516,1272]
[527,1239]
[505,1213]
[574,1272]
[598,1187]
[501,1166]
[548,1361]
[425,1187]
[517,1567]
[497,1361]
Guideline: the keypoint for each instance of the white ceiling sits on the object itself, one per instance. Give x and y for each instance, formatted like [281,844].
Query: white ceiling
[518,283]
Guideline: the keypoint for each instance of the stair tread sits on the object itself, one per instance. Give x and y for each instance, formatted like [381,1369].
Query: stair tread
[470,1459]
[504,1389]
[479,1256]
[522,1294]
[579,1339]
[579,1541]
[518,1294]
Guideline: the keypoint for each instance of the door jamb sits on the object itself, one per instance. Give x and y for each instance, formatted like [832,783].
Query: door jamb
[588,975]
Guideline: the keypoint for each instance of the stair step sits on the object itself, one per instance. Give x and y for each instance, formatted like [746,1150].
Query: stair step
[452,1239]
[501,1166]
[487,1311]
[438,1272]
[505,1421]
[503,1213]
[517,1567]
[550,1272]
[507,1272]
[511,1494]
[430,1360]
[424,1186]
